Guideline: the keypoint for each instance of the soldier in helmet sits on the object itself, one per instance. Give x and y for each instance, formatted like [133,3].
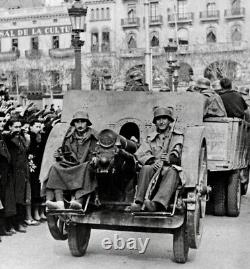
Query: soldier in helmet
[136,82]
[73,170]
[160,153]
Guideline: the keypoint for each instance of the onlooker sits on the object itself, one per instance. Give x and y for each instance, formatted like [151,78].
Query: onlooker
[234,103]
[19,169]
[35,156]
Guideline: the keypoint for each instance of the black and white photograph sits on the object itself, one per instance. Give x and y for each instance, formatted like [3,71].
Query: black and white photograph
[124,134]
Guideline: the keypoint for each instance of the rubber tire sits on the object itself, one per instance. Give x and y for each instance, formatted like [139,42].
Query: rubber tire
[234,195]
[219,197]
[180,244]
[56,227]
[78,238]
[195,226]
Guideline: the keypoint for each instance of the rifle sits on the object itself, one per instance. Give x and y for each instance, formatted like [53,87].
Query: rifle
[155,178]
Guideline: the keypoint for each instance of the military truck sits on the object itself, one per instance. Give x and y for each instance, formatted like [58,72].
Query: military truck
[129,114]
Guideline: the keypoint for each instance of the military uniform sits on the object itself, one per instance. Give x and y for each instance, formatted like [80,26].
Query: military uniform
[150,151]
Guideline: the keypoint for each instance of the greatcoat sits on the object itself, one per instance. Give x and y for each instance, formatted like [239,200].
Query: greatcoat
[73,171]
[18,165]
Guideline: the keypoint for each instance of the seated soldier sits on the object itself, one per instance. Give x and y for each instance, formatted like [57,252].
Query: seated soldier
[214,106]
[160,153]
[73,170]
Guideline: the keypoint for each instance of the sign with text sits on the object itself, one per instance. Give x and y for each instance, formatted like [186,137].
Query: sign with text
[35,31]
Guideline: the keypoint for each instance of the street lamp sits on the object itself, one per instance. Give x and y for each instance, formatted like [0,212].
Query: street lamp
[77,14]
[171,50]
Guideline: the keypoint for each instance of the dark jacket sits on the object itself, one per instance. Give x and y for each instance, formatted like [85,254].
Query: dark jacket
[234,103]
[18,165]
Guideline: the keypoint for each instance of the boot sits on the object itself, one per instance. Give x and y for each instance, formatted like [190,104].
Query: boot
[55,205]
[76,204]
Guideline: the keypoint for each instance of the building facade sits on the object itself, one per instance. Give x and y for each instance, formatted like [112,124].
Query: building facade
[37,54]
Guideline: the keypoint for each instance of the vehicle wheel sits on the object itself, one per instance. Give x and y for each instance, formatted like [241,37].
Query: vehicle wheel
[195,226]
[180,244]
[57,227]
[219,195]
[78,241]
[234,195]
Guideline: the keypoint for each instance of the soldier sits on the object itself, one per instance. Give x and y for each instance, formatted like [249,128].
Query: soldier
[73,170]
[159,154]
[136,82]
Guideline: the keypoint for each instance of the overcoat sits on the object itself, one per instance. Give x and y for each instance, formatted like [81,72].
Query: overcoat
[18,165]
[6,184]
[73,171]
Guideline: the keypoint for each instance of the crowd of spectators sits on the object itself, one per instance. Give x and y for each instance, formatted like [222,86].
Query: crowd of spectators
[23,134]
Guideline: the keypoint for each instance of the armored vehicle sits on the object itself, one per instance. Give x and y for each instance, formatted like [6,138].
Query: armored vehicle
[129,114]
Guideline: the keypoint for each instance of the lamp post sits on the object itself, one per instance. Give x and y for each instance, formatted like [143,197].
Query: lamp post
[77,14]
[171,50]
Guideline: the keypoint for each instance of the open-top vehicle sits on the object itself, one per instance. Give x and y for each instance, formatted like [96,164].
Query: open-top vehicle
[129,114]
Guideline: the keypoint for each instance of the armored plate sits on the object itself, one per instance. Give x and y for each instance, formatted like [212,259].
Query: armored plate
[114,109]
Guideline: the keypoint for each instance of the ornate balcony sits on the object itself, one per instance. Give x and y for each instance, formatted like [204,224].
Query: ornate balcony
[236,13]
[213,15]
[62,53]
[155,20]
[181,18]
[33,54]
[9,55]
[130,22]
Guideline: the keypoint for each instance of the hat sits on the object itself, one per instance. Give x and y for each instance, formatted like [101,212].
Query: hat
[163,112]
[81,115]
[203,83]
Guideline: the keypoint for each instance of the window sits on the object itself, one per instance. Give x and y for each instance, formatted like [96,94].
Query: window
[236,33]
[153,11]
[131,41]
[34,43]
[211,8]
[92,14]
[154,42]
[105,41]
[211,35]
[94,42]
[55,42]
[102,14]
[108,13]
[131,13]
[14,44]
[181,8]
[236,7]
[97,14]
[182,36]
[236,4]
